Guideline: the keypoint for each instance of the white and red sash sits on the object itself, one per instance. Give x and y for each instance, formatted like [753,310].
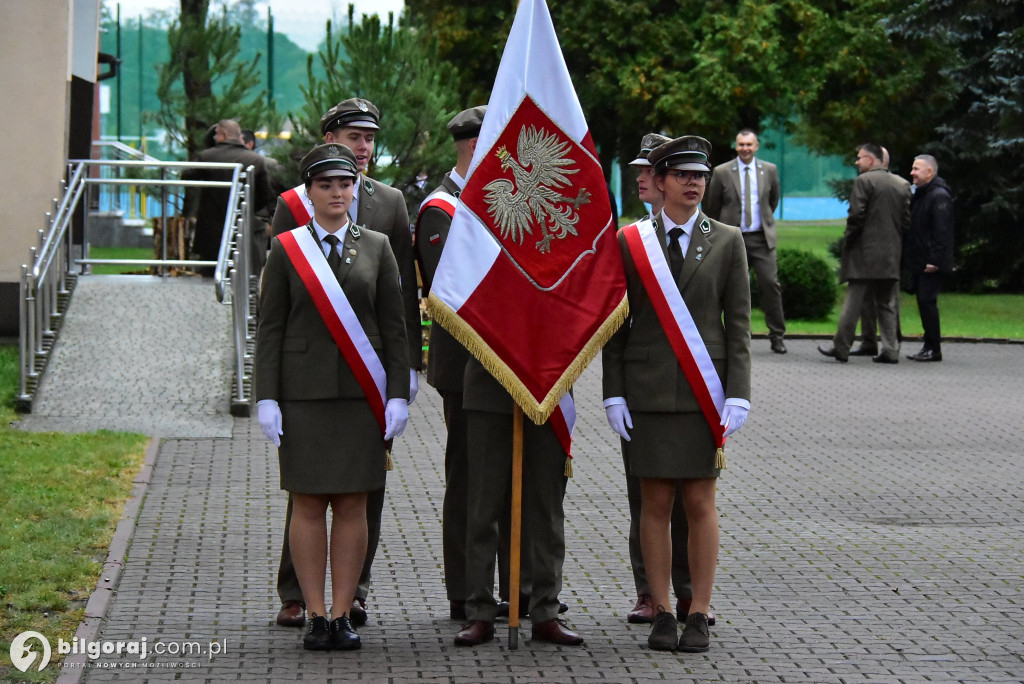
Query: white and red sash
[563,418]
[297,200]
[307,257]
[652,267]
[442,199]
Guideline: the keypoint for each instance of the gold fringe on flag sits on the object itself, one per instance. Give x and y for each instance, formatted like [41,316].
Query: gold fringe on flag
[538,412]
[568,466]
[388,463]
[720,458]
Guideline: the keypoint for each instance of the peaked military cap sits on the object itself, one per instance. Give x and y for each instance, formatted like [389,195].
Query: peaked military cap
[649,142]
[331,159]
[467,123]
[688,153]
[355,112]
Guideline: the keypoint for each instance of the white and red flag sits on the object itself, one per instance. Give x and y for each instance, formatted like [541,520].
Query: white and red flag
[531,278]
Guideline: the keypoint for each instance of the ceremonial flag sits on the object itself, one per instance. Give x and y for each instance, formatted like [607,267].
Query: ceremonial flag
[531,278]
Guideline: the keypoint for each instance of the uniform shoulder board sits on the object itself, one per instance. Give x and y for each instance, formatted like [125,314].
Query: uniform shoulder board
[367,186]
[705,226]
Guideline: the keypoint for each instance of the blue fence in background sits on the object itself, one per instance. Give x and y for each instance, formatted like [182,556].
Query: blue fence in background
[811,209]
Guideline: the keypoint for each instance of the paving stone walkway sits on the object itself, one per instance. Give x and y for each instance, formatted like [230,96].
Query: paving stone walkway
[872,525]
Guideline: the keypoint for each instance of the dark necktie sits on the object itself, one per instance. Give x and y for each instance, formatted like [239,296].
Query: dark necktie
[675,252]
[333,258]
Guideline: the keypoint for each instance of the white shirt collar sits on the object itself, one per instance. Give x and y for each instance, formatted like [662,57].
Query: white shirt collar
[457,179]
[687,227]
[321,233]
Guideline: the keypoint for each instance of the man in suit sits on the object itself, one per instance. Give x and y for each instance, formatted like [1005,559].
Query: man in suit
[745,193]
[381,208]
[868,316]
[870,262]
[928,249]
[212,207]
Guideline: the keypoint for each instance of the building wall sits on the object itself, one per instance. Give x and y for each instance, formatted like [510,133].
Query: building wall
[36,59]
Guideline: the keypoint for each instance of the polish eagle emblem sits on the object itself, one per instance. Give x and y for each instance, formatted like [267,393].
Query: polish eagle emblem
[534,196]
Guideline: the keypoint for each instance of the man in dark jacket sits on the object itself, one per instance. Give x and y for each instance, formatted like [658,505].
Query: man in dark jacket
[210,205]
[928,248]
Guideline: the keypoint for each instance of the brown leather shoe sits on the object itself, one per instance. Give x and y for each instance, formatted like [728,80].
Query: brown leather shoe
[357,613]
[643,612]
[683,609]
[474,633]
[555,631]
[292,614]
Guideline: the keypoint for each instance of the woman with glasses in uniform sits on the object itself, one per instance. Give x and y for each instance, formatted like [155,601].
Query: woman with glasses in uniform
[677,376]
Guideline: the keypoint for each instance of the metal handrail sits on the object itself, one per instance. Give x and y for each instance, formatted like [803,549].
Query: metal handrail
[47,280]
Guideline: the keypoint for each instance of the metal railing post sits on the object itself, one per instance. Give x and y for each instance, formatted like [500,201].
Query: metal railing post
[24,356]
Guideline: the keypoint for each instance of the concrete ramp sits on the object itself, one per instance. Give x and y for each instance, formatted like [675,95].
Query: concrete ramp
[139,354]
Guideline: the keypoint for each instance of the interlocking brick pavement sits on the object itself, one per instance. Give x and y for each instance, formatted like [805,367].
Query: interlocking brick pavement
[872,524]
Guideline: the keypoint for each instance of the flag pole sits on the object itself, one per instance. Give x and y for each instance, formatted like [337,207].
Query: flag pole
[517,524]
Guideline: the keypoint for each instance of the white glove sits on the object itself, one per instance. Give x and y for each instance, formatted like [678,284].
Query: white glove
[733,418]
[414,384]
[396,417]
[619,419]
[269,415]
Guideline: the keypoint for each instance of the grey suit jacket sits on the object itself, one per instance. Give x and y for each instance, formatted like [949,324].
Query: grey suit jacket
[638,361]
[296,357]
[724,198]
[381,208]
[446,362]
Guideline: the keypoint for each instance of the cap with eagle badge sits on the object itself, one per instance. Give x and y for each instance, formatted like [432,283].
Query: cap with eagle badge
[688,153]
[649,142]
[467,123]
[355,112]
[330,159]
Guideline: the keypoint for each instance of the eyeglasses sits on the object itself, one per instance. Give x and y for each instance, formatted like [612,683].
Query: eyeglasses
[697,177]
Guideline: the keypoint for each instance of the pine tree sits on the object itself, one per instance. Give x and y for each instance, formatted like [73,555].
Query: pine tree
[204,80]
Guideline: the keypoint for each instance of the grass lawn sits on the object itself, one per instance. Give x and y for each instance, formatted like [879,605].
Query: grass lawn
[60,498]
[963,315]
[119,253]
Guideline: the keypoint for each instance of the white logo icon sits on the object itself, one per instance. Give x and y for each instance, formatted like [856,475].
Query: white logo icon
[23,656]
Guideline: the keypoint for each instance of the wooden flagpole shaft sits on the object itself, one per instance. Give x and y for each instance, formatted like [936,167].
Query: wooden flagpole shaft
[517,524]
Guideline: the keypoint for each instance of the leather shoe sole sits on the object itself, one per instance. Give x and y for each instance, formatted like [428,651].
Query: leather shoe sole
[882,358]
[292,614]
[474,633]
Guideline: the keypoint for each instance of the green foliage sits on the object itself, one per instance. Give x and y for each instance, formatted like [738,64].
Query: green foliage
[205,79]
[978,139]
[138,80]
[397,69]
[808,285]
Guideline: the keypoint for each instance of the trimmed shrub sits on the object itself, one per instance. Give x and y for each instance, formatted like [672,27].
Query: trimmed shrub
[809,287]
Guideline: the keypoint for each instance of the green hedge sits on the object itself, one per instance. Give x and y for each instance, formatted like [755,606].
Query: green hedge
[809,287]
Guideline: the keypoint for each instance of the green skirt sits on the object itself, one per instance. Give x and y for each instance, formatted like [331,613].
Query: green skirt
[671,445]
[331,446]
